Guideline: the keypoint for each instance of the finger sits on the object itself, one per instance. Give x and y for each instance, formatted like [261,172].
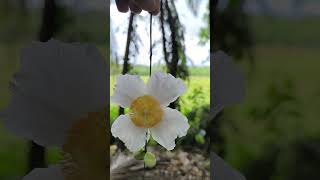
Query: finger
[134,8]
[157,8]
[155,13]
[148,5]
[122,5]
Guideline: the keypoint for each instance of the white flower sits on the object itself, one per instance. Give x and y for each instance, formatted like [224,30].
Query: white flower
[54,91]
[149,113]
[56,84]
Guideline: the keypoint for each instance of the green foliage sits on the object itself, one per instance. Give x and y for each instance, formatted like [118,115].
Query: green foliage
[193,98]
[198,121]
[144,70]
[296,160]
[200,138]
[204,35]
[281,31]
[183,69]
[195,105]
[280,109]
[205,31]
[232,31]
[139,155]
[12,153]
[199,71]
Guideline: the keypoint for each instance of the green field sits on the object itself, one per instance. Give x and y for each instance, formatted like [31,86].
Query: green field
[144,70]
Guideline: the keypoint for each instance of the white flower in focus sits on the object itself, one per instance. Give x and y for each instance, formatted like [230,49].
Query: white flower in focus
[148,111]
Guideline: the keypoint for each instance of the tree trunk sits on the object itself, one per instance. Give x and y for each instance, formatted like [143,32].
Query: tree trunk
[23,7]
[174,45]
[213,16]
[49,18]
[126,65]
[173,65]
[172,41]
[164,41]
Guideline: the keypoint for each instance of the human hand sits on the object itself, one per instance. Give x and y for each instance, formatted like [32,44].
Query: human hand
[136,6]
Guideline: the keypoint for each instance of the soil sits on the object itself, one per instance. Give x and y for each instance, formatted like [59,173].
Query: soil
[175,165]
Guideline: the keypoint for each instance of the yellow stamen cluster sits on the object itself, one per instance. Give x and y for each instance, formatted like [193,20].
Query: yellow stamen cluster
[145,111]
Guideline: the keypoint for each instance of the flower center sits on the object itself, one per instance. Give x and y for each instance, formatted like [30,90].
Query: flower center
[85,149]
[145,111]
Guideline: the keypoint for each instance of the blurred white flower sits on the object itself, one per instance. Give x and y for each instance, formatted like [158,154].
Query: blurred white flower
[56,84]
[54,91]
[84,152]
[149,114]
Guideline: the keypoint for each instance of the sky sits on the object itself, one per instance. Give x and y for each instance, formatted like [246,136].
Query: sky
[197,54]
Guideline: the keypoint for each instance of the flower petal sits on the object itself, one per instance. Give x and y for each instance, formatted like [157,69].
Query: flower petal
[56,84]
[173,125]
[222,170]
[51,173]
[165,87]
[35,121]
[128,87]
[133,136]
[228,82]
[67,76]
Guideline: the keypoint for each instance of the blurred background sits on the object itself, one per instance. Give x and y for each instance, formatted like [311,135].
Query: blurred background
[275,133]
[22,21]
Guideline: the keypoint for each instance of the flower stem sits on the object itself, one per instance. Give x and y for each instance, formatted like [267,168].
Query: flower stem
[150,45]
[150,71]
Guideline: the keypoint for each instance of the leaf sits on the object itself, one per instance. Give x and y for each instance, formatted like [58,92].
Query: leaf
[139,155]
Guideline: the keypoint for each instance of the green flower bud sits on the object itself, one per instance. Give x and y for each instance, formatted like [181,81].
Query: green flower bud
[150,160]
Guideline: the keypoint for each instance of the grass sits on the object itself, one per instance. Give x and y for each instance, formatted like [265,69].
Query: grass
[144,70]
